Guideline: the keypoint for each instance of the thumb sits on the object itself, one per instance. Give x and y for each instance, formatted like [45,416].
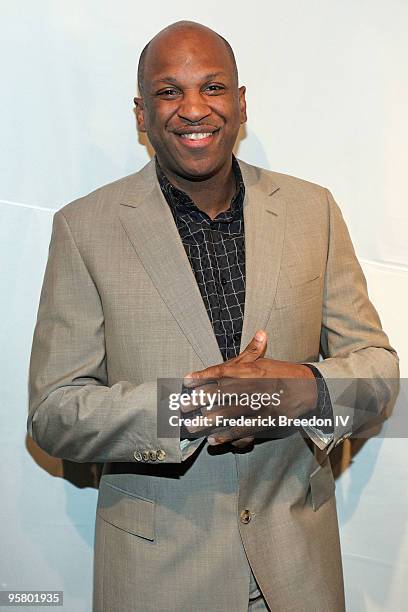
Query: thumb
[255,349]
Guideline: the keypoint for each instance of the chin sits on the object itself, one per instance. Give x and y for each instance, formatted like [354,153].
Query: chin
[197,168]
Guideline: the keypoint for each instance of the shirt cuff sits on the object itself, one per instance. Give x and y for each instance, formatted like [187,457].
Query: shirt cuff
[188,447]
[323,435]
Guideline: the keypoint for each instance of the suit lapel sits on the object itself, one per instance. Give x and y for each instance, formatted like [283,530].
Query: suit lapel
[149,224]
[264,220]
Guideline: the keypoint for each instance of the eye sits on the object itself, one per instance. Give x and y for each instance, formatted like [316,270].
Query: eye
[170,92]
[215,88]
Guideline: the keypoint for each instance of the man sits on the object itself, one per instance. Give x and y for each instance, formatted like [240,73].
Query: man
[169,273]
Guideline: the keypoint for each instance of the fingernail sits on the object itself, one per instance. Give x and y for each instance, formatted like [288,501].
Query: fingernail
[188,379]
[259,336]
[212,440]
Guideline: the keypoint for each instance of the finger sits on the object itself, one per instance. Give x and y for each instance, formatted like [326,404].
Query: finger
[230,434]
[216,393]
[200,396]
[221,437]
[210,420]
[237,370]
[243,442]
[207,426]
[212,373]
[255,349]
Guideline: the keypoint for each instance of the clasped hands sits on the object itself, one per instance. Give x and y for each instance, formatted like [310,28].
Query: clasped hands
[247,374]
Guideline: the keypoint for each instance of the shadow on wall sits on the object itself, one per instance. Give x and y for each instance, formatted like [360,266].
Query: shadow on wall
[81,475]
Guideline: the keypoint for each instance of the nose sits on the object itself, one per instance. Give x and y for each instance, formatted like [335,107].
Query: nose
[193,107]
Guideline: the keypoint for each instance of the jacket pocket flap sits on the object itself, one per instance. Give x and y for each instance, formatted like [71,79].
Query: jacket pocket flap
[126,511]
[322,485]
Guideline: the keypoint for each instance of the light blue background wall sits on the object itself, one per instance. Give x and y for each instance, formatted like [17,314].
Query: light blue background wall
[327,98]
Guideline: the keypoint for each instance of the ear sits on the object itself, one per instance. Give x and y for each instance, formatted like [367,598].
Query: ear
[242,104]
[140,114]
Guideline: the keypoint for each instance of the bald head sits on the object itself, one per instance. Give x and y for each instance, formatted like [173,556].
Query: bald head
[179,31]
[188,76]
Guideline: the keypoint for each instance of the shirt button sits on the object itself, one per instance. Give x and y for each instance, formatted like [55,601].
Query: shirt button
[245,516]
[223,280]
[237,337]
[145,455]
[137,455]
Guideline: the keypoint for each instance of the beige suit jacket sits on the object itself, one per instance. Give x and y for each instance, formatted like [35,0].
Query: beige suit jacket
[120,308]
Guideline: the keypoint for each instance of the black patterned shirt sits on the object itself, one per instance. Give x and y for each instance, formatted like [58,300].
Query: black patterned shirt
[216,252]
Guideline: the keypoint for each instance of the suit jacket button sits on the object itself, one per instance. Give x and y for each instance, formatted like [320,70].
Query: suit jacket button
[161,454]
[145,455]
[152,455]
[245,516]
[137,455]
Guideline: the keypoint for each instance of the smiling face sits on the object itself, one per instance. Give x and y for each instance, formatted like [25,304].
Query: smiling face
[191,106]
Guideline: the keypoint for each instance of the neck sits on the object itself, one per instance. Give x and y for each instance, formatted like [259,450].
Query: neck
[212,195]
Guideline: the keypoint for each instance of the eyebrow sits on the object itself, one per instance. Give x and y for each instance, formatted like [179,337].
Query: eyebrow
[174,81]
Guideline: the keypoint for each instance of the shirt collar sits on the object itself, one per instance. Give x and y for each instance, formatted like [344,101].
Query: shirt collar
[180,202]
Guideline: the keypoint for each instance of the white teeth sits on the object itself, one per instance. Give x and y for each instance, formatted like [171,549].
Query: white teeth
[196,135]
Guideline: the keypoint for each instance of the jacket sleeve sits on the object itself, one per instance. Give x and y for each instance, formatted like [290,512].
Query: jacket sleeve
[73,413]
[359,366]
